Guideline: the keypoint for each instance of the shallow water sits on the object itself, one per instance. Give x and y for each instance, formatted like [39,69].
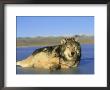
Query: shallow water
[86,65]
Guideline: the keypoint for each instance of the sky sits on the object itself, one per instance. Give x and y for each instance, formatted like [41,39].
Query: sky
[33,26]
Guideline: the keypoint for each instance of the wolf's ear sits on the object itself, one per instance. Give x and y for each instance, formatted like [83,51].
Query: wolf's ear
[63,41]
[73,39]
[77,39]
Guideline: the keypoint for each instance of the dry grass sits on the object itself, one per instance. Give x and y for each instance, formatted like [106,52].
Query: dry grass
[46,41]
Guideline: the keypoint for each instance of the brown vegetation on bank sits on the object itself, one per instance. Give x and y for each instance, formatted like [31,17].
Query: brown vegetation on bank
[46,41]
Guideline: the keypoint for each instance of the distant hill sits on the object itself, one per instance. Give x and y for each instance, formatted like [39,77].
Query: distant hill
[50,40]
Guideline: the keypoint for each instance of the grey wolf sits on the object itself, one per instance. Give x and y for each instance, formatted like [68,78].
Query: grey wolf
[63,56]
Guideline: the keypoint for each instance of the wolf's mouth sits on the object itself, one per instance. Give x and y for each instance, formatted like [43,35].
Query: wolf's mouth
[71,56]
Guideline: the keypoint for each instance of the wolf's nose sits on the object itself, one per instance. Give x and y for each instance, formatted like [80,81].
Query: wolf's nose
[72,53]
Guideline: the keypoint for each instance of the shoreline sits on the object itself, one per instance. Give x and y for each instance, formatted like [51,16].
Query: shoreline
[43,45]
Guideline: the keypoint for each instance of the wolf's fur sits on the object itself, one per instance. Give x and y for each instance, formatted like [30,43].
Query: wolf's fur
[65,55]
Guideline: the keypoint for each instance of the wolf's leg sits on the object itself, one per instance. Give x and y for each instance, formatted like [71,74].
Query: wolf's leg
[55,67]
[64,66]
[76,64]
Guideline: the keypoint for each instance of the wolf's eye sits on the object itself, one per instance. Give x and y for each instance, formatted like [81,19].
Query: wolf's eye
[67,47]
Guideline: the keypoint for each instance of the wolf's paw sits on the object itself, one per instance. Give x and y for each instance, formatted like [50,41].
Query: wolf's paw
[76,65]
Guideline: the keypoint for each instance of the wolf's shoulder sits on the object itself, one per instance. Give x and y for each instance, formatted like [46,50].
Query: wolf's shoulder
[48,49]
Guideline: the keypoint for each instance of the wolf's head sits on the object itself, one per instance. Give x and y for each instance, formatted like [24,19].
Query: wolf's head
[70,48]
